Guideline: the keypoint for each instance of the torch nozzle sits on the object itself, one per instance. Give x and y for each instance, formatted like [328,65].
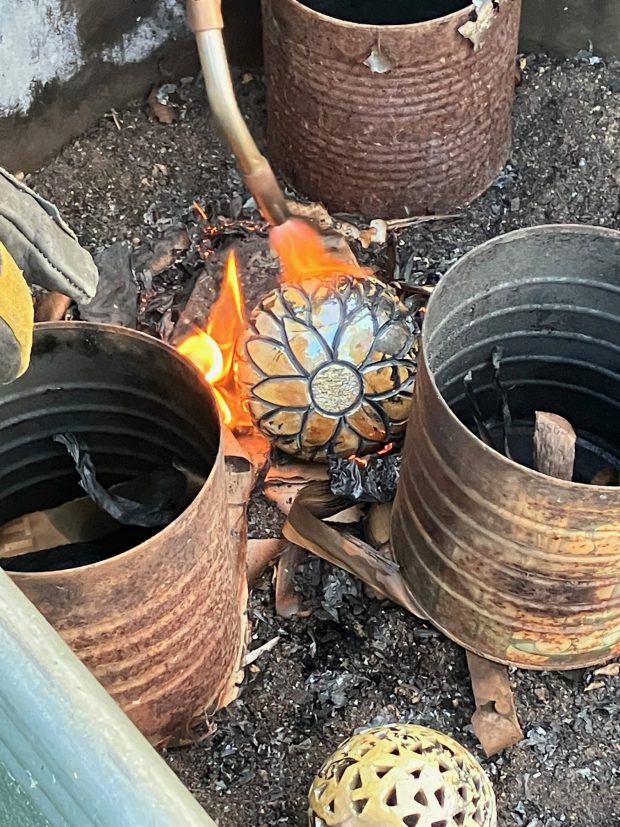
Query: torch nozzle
[205,19]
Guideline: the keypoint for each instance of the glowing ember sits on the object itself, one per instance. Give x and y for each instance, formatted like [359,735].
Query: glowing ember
[363,461]
[303,254]
[212,351]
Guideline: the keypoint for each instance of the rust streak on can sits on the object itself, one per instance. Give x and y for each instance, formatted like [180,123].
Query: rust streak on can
[161,625]
[514,565]
[427,133]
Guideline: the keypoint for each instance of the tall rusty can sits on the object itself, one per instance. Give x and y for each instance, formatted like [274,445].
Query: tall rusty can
[517,566]
[372,113]
[160,624]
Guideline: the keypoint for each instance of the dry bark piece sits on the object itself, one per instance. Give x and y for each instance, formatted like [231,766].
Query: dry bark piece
[495,719]
[261,650]
[611,670]
[283,482]
[378,524]
[554,446]
[306,527]
[240,480]
[165,113]
[51,307]
[289,602]
[261,553]
[257,447]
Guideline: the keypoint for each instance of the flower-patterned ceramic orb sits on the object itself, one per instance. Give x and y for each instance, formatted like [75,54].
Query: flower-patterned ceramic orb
[327,368]
[398,776]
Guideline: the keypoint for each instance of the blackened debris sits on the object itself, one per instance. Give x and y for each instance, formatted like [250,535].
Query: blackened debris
[371,479]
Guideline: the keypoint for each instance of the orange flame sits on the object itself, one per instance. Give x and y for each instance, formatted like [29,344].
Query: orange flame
[212,350]
[303,254]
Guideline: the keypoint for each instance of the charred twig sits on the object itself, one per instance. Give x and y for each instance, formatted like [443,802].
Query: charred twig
[414,221]
[496,360]
[481,426]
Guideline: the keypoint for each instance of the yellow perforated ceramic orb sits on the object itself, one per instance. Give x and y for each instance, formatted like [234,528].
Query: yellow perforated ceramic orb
[401,776]
[327,368]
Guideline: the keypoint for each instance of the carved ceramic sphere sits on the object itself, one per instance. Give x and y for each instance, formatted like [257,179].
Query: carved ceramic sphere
[398,776]
[327,368]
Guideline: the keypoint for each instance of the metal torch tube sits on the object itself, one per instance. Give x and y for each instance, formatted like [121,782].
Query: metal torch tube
[205,19]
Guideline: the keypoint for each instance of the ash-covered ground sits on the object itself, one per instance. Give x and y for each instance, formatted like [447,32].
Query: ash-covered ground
[357,661]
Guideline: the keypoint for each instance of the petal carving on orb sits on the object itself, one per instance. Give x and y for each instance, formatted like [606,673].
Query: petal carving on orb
[368,423]
[352,295]
[297,301]
[246,372]
[326,313]
[290,445]
[267,325]
[356,338]
[272,358]
[383,379]
[306,345]
[346,443]
[393,340]
[397,407]
[284,391]
[282,423]
[273,302]
[318,429]
[380,379]
[259,409]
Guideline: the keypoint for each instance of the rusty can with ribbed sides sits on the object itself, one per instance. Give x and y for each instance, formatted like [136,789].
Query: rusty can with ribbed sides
[515,565]
[156,613]
[390,109]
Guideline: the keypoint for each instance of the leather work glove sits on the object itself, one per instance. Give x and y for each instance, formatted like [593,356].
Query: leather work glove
[36,247]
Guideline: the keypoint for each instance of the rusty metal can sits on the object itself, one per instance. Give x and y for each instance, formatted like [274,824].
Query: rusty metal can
[390,120]
[161,624]
[516,566]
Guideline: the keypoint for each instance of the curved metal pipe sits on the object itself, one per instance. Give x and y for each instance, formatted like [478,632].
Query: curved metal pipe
[205,20]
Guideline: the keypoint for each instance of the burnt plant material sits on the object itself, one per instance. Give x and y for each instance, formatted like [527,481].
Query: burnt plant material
[481,425]
[496,362]
[517,566]
[116,300]
[166,491]
[306,527]
[372,479]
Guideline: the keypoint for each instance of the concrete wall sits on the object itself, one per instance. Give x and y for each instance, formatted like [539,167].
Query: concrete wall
[64,63]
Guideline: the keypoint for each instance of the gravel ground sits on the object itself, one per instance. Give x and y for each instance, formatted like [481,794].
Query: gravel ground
[357,661]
